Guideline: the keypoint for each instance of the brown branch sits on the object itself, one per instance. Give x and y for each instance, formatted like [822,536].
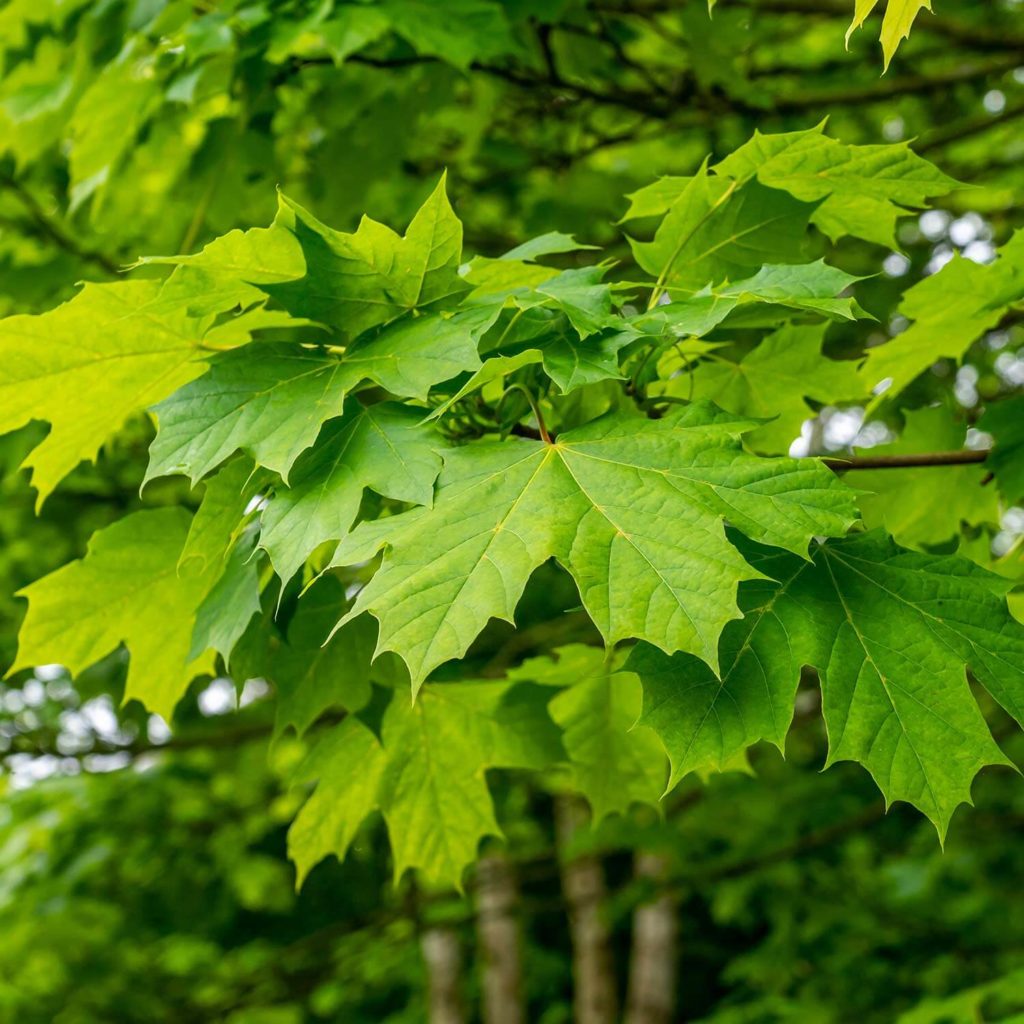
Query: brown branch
[964,457]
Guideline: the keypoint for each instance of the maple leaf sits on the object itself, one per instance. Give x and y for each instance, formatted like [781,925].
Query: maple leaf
[357,281]
[229,270]
[87,366]
[313,671]
[425,774]
[270,400]
[385,447]
[862,190]
[142,583]
[230,604]
[614,762]
[634,509]
[856,190]
[127,590]
[950,310]
[719,230]
[890,632]
[772,382]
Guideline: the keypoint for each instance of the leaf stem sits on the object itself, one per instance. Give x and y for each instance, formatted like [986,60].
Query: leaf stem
[541,426]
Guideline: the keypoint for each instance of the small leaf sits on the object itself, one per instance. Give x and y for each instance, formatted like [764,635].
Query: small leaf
[385,447]
[426,775]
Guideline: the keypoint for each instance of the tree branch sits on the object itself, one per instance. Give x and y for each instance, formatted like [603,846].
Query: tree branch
[966,456]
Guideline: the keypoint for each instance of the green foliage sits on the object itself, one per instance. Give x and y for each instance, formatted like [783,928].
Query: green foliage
[413,537]
[632,509]
[424,774]
[949,311]
[889,632]
[371,382]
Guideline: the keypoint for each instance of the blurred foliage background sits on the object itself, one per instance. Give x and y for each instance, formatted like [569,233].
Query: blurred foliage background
[143,875]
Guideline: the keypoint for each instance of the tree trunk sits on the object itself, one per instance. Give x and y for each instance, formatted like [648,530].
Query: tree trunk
[497,928]
[652,967]
[443,958]
[594,996]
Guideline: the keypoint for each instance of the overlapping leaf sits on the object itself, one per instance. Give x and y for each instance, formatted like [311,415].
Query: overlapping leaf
[891,633]
[633,509]
[385,447]
[856,190]
[614,762]
[949,312]
[425,775]
[862,190]
[359,280]
[271,400]
[313,671]
[141,583]
[718,229]
[772,382]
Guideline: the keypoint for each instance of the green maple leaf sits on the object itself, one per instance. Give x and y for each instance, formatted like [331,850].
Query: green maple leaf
[550,244]
[765,299]
[896,25]
[862,190]
[87,366]
[270,400]
[772,382]
[633,509]
[127,590]
[614,762]
[425,775]
[385,447]
[408,357]
[228,271]
[1005,422]
[858,190]
[230,604]
[705,721]
[903,500]
[356,281]
[950,310]
[582,296]
[891,633]
[543,335]
[314,671]
[719,230]
[141,583]
[267,400]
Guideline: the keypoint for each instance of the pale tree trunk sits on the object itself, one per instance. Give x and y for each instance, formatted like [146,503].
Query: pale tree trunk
[594,996]
[443,959]
[652,965]
[499,941]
